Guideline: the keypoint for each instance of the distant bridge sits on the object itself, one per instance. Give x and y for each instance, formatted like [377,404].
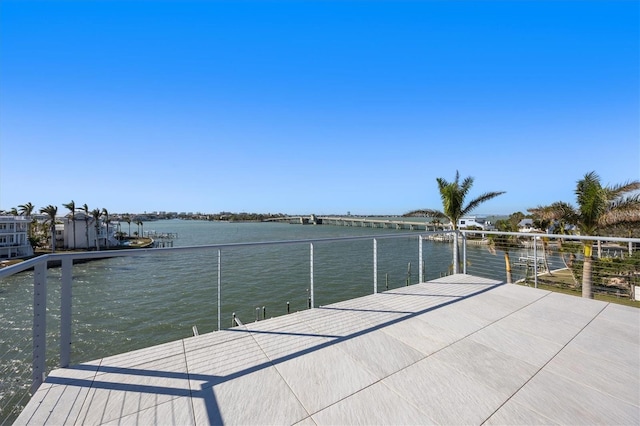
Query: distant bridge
[363,222]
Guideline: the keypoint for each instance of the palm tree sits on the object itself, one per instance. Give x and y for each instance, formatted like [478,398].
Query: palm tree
[139,223]
[51,211]
[598,207]
[27,210]
[453,195]
[504,243]
[105,213]
[96,222]
[128,220]
[72,208]
[85,210]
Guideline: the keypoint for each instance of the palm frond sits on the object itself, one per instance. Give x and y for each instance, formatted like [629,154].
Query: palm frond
[622,210]
[467,183]
[424,213]
[620,190]
[556,211]
[479,200]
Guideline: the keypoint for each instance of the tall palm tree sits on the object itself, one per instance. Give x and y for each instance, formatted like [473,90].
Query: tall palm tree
[128,220]
[105,213]
[72,208]
[598,207]
[96,213]
[453,196]
[27,210]
[87,213]
[139,222]
[51,211]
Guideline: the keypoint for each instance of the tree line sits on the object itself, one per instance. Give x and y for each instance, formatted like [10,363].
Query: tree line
[41,231]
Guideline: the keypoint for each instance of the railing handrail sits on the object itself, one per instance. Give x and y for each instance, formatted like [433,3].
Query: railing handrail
[555,236]
[103,254]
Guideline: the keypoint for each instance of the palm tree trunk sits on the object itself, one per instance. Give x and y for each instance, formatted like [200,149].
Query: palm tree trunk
[53,236]
[97,235]
[587,271]
[507,265]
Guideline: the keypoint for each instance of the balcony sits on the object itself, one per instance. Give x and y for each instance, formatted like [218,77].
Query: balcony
[412,345]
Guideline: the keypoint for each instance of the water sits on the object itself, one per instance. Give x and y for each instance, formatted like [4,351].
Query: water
[123,304]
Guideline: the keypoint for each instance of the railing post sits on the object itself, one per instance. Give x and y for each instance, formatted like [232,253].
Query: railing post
[421,267]
[375,266]
[65,312]
[535,262]
[464,252]
[39,324]
[219,286]
[311,295]
[455,251]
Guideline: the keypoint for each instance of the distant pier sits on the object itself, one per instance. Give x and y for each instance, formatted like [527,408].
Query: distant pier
[161,239]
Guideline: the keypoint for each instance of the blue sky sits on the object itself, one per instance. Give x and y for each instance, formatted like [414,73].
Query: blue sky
[314,107]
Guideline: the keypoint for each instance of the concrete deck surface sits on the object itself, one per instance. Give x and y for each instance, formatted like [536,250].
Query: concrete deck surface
[456,350]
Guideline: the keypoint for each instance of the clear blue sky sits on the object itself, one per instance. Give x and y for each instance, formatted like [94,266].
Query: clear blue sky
[313,107]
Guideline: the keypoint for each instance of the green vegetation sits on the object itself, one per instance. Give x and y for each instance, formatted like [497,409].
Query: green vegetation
[453,195]
[598,207]
[245,217]
[505,242]
[72,208]
[51,212]
[562,282]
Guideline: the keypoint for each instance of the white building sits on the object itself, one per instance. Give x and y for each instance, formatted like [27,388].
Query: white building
[526,225]
[476,221]
[14,237]
[82,233]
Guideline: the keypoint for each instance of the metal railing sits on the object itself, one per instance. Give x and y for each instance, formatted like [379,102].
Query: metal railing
[554,260]
[533,258]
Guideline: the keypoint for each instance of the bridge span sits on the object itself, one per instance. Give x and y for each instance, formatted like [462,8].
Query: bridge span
[363,222]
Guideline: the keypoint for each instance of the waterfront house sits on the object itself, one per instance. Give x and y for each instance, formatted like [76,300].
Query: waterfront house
[85,226]
[526,225]
[475,221]
[14,238]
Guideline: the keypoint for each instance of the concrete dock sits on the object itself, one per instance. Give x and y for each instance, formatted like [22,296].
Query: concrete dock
[456,350]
